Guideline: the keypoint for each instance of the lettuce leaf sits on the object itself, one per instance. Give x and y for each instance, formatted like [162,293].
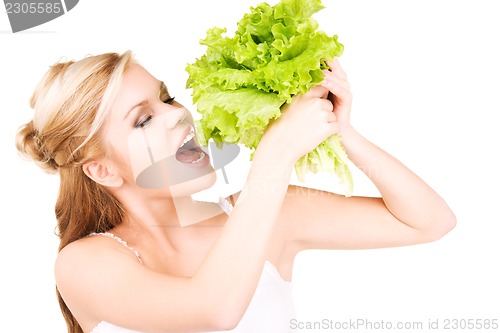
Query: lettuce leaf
[241,82]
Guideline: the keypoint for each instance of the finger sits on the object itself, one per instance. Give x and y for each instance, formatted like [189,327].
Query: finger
[330,76]
[331,117]
[317,91]
[332,128]
[326,110]
[336,68]
[325,105]
[339,88]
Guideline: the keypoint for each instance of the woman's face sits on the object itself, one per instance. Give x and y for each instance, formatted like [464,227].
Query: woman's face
[152,139]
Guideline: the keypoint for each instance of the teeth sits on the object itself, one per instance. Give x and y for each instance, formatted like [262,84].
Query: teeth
[202,156]
[188,137]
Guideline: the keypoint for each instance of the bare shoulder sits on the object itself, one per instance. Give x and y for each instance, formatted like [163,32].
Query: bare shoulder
[87,254]
[83,265]
[92,250]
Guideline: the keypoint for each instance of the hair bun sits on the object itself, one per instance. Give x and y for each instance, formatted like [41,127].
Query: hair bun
[30,145]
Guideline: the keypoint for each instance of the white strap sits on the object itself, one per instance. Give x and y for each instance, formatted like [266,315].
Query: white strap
[118,239]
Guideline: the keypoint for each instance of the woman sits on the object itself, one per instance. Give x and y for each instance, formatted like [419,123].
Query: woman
[126,264]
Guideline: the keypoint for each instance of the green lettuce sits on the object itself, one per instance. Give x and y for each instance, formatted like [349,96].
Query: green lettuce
[241,82]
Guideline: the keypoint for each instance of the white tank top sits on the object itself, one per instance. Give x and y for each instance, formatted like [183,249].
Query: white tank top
[270,310]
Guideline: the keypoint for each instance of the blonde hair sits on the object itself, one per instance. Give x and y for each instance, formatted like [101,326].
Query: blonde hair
[71,103]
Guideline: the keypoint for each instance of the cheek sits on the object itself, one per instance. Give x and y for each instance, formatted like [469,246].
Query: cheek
[138,153]
[159,142]
[117,150]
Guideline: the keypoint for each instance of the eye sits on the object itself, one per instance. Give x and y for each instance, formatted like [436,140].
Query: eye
[143,121]
[168,100]
[164,96]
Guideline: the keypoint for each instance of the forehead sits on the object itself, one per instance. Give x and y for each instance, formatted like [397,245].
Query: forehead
[137,85]
[136,75]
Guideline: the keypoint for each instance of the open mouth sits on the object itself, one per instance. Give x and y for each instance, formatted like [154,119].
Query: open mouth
[189,152]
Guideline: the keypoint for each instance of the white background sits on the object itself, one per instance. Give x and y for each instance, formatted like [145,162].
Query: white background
[425,78]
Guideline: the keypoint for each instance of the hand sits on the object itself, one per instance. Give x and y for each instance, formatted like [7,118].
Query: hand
[304,124]
[336,82]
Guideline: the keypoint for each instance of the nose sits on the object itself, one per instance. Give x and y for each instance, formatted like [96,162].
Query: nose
[175,116]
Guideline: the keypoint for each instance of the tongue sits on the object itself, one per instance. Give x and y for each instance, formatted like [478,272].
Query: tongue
[187,155]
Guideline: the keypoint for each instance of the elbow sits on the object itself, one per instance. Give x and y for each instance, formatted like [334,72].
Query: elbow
[442,225]
[224,306]
[215,317]
[452,221]
[447,222]
[226,318]
[225,311]
[226,324]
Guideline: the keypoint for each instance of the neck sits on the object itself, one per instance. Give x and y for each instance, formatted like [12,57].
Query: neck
[163,218]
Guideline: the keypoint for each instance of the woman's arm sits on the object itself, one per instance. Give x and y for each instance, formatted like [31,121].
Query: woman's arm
[407,197]
[409,211]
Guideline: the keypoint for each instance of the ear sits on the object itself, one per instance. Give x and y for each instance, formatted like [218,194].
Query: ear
[103,173]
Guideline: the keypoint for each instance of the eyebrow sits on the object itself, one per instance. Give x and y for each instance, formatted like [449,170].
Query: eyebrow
[144,102]
[135,107]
